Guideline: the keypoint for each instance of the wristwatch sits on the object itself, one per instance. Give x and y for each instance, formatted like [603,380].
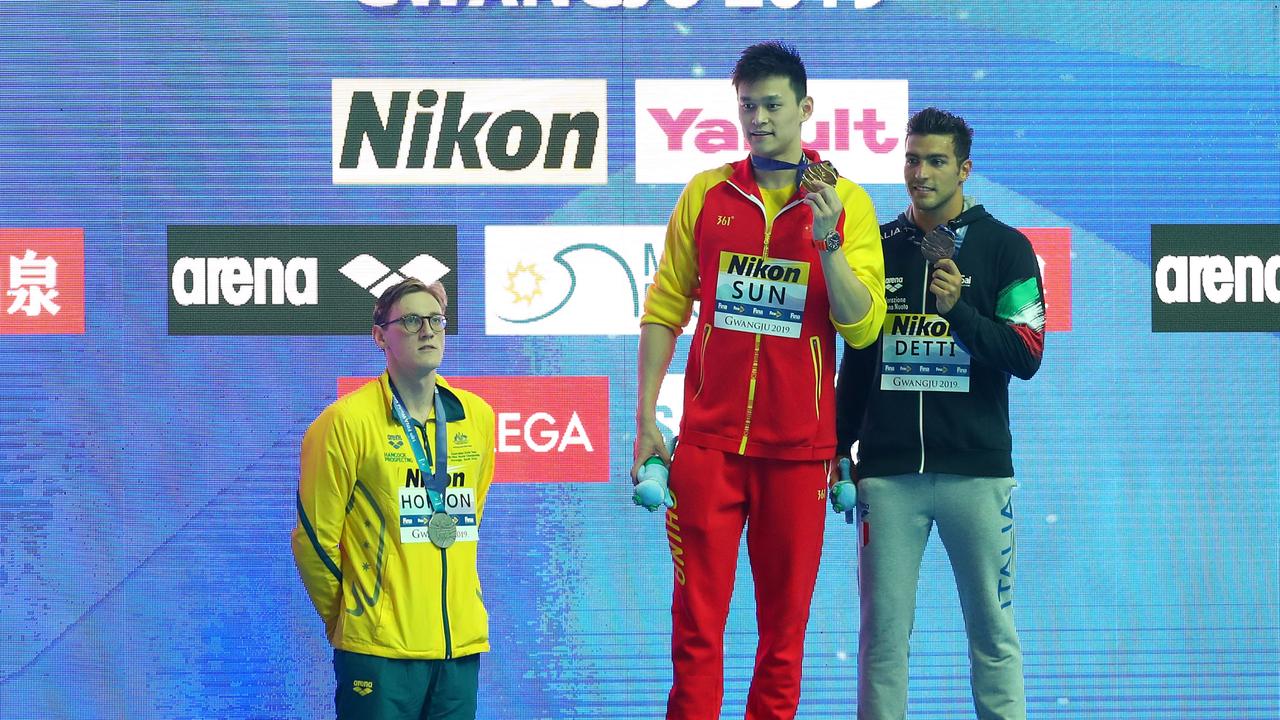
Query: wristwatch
[832,241]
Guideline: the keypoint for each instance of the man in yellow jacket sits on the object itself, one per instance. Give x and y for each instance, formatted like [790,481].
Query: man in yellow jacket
[393,484]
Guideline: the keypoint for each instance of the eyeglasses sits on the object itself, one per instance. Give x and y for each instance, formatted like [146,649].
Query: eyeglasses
[412,323]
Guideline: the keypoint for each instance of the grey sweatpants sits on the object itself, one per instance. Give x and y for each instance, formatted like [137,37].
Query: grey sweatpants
[975,521]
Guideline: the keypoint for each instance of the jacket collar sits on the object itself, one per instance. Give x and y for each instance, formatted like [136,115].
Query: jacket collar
[453,410]
[744,176]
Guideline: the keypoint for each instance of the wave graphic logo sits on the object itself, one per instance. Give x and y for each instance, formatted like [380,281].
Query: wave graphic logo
[568,279]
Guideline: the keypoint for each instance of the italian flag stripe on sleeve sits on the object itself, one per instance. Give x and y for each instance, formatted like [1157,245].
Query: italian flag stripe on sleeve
[1020,304]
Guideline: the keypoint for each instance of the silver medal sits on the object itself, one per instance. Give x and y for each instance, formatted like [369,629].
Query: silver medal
[442,530]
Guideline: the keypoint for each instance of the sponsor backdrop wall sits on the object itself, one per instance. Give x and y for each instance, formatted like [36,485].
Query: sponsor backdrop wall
[199,201]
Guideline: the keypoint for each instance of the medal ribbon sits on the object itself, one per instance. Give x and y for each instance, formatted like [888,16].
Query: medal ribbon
[958,229]
[435,480]
[770,164]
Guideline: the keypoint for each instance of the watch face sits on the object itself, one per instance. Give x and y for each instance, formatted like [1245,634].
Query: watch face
[834,241]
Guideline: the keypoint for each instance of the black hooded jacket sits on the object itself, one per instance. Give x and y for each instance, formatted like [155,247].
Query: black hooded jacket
[932,394]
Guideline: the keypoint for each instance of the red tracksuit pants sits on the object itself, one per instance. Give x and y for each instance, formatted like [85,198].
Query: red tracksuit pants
[782,504]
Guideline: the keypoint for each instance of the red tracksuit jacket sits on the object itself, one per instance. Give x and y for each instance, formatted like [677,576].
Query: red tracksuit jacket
[760,374]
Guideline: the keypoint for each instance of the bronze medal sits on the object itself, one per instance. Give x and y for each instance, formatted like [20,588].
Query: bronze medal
[823,172]
[938,244]
[442,530]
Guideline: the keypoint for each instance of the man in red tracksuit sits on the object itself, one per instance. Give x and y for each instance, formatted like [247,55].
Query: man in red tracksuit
[777,271]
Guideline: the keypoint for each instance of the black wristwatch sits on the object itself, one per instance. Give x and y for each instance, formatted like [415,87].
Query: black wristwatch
[832,241]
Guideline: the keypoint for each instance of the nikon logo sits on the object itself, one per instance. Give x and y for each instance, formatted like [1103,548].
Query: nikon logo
[470,132]
[1215,278]
[755,267]
[919,325]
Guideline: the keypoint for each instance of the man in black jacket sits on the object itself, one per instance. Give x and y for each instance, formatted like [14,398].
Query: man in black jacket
[929,408]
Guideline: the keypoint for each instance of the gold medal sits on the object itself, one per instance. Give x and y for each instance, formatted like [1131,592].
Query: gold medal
[442,530]
[823,172]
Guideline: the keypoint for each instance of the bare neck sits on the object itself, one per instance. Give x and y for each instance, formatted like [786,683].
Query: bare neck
[926,220]
[417,392]
[775,179]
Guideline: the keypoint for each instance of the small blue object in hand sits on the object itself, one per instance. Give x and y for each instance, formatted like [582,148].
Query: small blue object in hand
[651,492]
[844,494]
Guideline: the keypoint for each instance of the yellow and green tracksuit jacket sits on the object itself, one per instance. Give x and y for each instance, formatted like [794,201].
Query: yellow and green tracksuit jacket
[379,595]
[747,391]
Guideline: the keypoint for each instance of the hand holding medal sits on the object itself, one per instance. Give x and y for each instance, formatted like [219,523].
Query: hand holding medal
[819,180]
[816,175]
[938,244]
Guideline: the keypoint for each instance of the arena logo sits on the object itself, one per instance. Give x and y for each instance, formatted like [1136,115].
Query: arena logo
[1215,278]
[253,279]
[549,428]
[1218,279]
[373,275]
[469,132]
[42,281]
[686,126]
[568,279]
[237,281]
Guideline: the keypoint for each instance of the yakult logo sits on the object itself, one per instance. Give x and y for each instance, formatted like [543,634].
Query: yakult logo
[470,132]
[549,428]
[686,126]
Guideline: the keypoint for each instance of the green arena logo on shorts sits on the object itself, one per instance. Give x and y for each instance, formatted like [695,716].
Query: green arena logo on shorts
[362,687]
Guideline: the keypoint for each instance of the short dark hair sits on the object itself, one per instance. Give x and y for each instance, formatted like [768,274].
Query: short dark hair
[932,121]
[382,307]
[772,59]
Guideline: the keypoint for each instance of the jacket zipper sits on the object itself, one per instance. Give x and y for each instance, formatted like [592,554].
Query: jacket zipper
[444,603]
[755,352]
[702,356]
[444,577]
[751,395]
[924,305]
[815,349]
